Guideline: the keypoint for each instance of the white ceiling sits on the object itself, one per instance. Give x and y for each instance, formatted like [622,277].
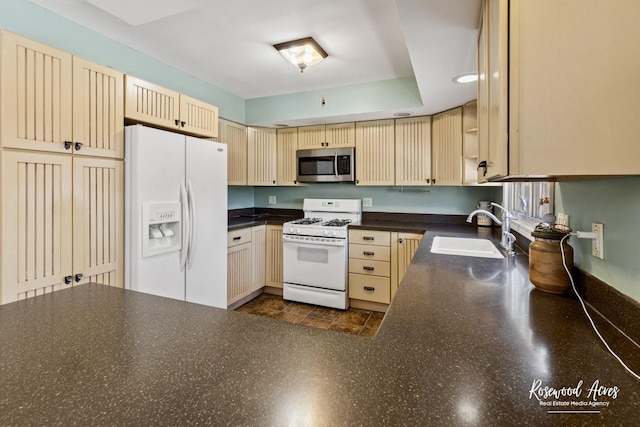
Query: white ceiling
[229,43]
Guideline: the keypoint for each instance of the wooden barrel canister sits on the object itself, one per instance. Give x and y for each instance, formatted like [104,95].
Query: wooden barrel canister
[546,271]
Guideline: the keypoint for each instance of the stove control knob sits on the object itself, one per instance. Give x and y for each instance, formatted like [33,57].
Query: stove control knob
[334,234]
[297,231]
[326,232]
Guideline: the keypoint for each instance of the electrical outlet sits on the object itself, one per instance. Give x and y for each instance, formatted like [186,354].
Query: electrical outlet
[272,200]
[367,202]
[597,244]
[562,218]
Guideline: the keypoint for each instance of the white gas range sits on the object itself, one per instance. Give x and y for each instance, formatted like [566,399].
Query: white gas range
[315,252]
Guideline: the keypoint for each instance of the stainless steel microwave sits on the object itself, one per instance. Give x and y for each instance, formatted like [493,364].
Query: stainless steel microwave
[326,165]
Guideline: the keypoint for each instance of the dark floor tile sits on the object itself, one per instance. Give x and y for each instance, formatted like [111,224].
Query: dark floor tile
[369,331]
[375,319]
[325,313]
[290,317]
[354,316]
[246,308]
[273,302]
[264,311]
[315,322]
[347,328]
[299,308]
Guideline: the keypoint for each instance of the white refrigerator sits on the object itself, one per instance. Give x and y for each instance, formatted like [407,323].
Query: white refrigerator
[175,216]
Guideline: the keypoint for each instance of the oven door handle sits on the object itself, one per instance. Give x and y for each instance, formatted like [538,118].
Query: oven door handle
[335,164]
[296,241]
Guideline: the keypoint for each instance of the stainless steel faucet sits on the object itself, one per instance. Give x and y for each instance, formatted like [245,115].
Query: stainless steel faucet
[507,238]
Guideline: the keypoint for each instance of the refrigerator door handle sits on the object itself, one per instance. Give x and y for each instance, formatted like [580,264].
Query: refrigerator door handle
[185,226]
[192,223]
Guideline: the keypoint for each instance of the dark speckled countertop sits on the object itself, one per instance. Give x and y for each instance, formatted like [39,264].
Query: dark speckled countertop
[463,343]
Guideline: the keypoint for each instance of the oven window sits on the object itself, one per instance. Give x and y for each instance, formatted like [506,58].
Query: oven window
[309,166]
[315,255]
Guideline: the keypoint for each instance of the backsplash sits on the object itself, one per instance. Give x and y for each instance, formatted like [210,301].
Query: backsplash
[432,200]
[614,202]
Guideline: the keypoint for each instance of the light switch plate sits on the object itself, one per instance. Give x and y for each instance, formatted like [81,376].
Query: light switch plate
[272,200]
[367,202]
[562,218]
[597,244]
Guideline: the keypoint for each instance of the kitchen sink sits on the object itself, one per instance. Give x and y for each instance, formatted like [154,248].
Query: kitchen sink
[481,248]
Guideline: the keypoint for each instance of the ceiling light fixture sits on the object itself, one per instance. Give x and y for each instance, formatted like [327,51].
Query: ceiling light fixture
[466,78]
[302,52]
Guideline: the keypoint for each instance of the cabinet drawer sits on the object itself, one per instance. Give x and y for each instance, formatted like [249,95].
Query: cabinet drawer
[370,237]
[370,288]
[378,253]
[238,237]
[370,267]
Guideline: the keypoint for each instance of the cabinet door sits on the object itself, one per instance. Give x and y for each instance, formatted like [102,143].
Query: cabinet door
[198,118]
[446,147]
[98,110]
[413,151]
[36,232]
[98,221]
[375,153]
[258,247]
[470,143]
[311,137]
[261,156]
[36,95]
[149,103]
[287,144]
[406,247]
[340,135]
[483,93]
[235,136]
[274,256]
[497,74]
[239,272]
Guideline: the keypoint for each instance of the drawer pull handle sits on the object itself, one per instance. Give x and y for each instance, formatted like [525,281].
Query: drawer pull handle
[235,239]
[368,238]
[369,288]
[367,253]
[367,268]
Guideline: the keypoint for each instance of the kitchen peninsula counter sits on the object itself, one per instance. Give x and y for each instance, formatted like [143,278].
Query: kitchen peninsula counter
[463,343]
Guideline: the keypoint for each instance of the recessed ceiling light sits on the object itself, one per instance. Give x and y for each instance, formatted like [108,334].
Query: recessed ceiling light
[401,114]
[281,125]
[466,78]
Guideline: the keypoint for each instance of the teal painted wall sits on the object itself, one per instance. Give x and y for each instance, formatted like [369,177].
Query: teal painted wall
[356,99]
[240,197]
[434,200]
[614,202]
[27,19]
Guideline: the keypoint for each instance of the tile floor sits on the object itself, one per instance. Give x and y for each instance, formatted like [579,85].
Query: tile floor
[353,321]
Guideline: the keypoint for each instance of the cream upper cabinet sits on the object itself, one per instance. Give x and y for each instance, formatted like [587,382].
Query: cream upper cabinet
[413,151]
[470,143]
[261,156]
[375,152]
[36,89]
[146,102]
[235,136]
[446,147]
[572,108]
[98,110]
[287,144]
[327,136]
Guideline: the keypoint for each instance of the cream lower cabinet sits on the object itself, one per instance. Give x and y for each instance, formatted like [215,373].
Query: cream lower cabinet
[378,261]
[62,222]
[370,266]
[274,277]
[403,248]
[246,258]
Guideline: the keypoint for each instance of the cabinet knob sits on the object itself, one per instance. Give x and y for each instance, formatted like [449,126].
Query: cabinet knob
[400,241]
[368,238]
[433,181]
[68,280]
[67,145]
[274,182]
[77,146]
[79,277]
[367,268]
[367,253]
[235,239]
[369,288]
[428,180]
[183,123]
